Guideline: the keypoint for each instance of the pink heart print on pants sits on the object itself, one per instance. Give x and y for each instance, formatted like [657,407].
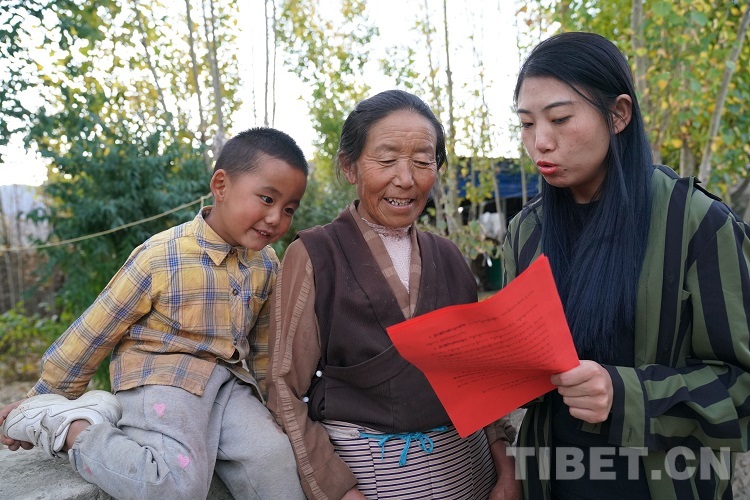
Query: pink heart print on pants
[159,408]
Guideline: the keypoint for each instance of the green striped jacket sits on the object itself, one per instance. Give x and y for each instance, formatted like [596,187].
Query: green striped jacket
[690,385]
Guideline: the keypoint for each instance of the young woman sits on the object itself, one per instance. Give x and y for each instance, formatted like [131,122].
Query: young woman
[653,275]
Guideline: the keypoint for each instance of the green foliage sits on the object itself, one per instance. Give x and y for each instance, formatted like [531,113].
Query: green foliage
[117,153]
[472,135]
[470,238]
[108,171]
[18,77]
[171,57]
[400,64]
[23,340]
[321,204]
[135,53]
[329,56]
[106,178]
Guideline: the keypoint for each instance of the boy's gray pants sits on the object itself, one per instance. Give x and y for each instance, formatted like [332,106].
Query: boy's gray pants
[169,442]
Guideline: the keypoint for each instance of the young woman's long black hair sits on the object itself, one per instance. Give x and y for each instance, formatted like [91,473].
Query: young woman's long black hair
[597,274]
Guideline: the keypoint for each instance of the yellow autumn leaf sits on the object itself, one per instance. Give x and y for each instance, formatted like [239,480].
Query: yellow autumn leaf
[664,105]
[662,84]
[676,143]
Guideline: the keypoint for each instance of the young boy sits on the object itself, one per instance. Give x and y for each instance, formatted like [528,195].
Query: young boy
[180,317]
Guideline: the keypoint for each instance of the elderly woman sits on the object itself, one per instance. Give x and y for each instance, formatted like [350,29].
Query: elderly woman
[364,422]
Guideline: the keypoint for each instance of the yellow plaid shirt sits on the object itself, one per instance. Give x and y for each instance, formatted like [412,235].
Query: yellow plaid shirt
[184,301]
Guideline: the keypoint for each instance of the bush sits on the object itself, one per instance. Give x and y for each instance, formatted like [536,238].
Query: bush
[23,340]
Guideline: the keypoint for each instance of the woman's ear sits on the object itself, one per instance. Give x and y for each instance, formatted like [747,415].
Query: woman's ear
[349,169]
[218,185]
[622,112]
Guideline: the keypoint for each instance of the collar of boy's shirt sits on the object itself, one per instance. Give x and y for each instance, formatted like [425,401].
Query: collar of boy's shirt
[211,243]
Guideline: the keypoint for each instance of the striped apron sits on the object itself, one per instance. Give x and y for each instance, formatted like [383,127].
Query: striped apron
[430,465]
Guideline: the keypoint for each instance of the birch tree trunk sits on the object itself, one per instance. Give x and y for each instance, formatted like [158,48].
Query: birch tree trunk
[196,81]
[273,68]
[687,161]
[435,90]
[452,217]
[209,22]
[638,42]
[704,171]
[265,85]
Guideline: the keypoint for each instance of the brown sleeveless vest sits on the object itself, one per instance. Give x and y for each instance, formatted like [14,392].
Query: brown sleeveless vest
[364,379]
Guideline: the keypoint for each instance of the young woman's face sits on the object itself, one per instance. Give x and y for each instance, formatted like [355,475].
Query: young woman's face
[565,136]
[396,170]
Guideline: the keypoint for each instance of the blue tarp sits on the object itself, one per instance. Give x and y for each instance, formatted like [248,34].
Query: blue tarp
[510,185]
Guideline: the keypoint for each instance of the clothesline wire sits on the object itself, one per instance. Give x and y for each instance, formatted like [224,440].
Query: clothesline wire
[200,200]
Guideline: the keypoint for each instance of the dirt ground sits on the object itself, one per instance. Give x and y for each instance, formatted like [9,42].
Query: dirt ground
[13,391]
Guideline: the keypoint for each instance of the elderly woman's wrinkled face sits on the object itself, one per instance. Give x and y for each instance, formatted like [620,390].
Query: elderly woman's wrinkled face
[396,170]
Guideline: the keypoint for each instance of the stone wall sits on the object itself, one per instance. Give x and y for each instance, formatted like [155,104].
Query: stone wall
[34,475]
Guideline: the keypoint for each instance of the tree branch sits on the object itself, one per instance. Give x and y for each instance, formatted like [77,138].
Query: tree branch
[144,40]
[196,82]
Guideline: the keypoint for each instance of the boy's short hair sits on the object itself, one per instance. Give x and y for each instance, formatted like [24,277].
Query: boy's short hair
[242,152]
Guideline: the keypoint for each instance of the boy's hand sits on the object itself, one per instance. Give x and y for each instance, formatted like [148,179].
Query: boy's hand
[12,444]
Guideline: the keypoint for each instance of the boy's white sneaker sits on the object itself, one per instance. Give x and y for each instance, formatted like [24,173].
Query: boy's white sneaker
[44,420]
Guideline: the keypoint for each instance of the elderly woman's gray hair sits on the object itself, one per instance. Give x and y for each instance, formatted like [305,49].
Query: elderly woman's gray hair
[369,111]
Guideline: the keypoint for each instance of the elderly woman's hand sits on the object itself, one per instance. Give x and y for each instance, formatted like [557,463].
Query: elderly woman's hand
[587,390]
[507,486]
